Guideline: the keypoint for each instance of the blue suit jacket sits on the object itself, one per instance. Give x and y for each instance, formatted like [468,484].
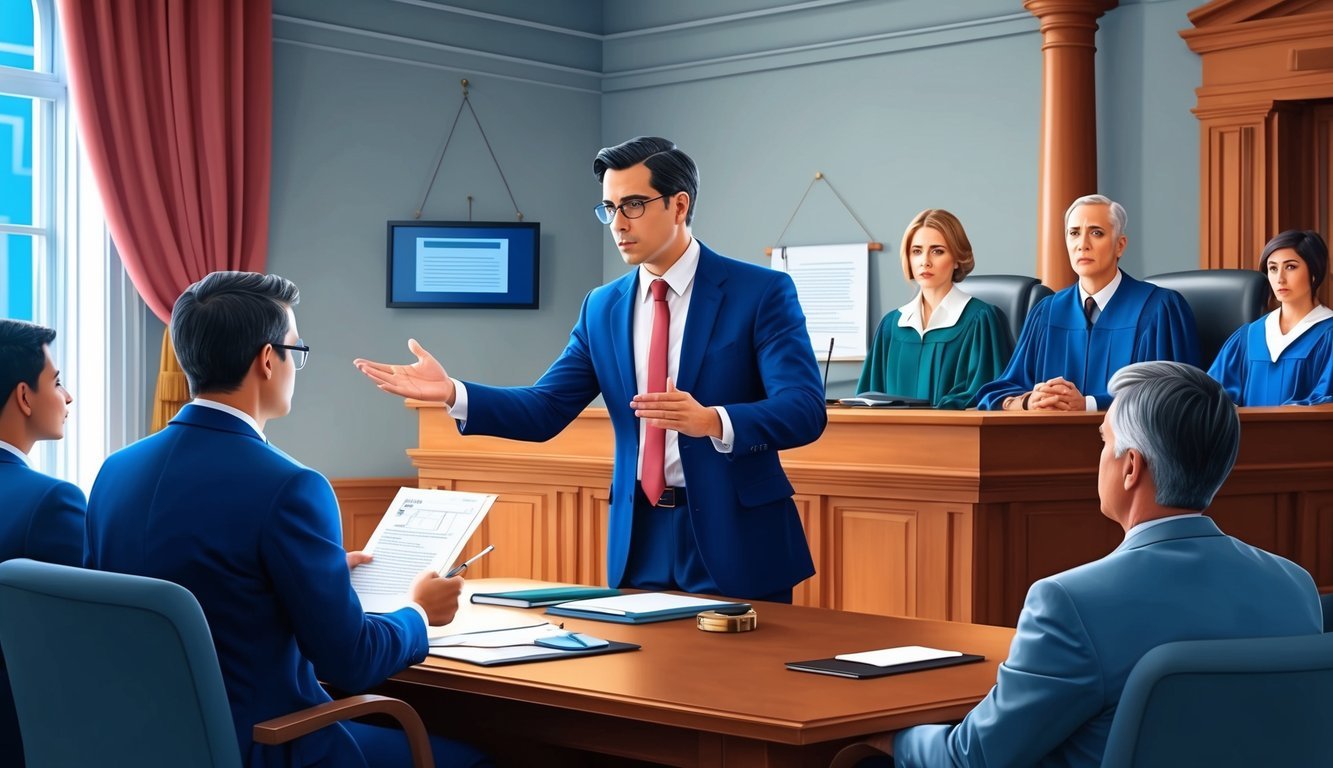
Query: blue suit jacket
[256,537]
[1141,322]
[40,518]
[1082,631]
[745,347]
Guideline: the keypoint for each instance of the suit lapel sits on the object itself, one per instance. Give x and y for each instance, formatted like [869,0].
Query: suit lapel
[622,323]
[705,302]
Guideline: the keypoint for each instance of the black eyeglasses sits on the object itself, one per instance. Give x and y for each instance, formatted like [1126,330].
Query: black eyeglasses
[300,353]
[630,209]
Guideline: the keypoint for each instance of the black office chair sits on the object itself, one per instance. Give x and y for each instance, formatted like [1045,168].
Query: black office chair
[1013,295]
[1326,601]
[1222,301]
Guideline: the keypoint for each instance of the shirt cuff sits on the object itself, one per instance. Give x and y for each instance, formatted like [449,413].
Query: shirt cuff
[1090,402]
[459,409]
[728,434]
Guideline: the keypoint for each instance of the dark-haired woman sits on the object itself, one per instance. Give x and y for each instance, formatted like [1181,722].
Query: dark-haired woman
[1286,356]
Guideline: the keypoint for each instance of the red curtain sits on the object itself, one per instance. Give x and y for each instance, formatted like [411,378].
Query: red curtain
[174,100]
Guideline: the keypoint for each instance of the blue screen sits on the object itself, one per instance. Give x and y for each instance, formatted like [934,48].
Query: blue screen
[463,264]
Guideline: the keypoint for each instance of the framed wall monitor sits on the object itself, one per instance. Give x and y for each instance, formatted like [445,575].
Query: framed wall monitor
[463,264]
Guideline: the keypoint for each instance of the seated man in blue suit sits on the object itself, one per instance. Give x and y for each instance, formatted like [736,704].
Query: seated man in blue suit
[209,504]
[707,371]
[1169,439]
[40,517]
[1073,341]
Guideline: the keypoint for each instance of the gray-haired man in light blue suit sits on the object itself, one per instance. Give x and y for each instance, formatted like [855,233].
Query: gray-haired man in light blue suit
[1169,440]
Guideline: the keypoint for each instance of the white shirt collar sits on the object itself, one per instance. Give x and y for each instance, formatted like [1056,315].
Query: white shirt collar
[1150,523]
[1278,341]
[946,315]
[242,415]
[14,450]
[679,276]
[1104,295]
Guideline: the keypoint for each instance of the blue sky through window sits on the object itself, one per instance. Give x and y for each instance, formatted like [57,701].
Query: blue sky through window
[16,180]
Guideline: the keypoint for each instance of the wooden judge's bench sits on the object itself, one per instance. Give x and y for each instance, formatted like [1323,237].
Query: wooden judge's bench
[936,514]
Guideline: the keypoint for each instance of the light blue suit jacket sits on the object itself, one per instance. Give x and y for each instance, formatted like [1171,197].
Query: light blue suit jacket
[40,518]
[257,538]
[745,347]
[1082,631]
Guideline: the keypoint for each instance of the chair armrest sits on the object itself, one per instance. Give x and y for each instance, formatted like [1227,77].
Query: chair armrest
[283,729]
[879,745]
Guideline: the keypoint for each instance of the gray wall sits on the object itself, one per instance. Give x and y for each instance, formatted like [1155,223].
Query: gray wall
[903,104]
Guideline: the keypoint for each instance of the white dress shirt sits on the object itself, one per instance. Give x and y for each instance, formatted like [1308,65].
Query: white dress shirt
[238,413]
[1101,299]
[680,279]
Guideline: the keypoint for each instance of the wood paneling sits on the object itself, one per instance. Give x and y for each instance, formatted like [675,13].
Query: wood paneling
[946,515]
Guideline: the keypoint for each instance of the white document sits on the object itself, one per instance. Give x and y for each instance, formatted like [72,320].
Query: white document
[499,638]
[889,657]
[646,602]
[833,286]
[423,529]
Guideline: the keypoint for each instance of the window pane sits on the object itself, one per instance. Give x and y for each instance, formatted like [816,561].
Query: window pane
[17,281]
[16,34]
[16,182]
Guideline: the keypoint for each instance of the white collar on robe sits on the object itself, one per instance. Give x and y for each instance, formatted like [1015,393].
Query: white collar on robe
[1278,341]
[945,315]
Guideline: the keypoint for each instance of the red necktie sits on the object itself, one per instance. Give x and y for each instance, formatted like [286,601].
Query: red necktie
[653,471]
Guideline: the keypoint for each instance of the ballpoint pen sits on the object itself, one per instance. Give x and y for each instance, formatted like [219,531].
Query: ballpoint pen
[457,569]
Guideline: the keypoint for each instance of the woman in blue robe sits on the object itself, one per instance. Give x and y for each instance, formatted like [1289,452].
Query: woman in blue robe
[943,345]
[1286,356]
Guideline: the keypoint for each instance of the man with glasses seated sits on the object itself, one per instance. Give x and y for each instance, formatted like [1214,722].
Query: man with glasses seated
[700,407]
[209,504]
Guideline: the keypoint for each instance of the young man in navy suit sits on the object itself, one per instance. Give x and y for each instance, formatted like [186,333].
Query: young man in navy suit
[1169,439]
[699,501]
[209,504]
[40,517]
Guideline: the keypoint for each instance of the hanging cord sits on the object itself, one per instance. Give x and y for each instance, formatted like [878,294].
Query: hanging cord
[440,160]
[819,176]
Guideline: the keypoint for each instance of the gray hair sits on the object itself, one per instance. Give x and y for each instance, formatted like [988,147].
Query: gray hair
[1184,425]
[1119,219]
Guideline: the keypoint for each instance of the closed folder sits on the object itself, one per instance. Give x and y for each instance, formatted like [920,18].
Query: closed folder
[644,608]
[532,598]
[858,670]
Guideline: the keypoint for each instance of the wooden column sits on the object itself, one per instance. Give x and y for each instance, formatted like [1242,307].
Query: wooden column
[1068,157]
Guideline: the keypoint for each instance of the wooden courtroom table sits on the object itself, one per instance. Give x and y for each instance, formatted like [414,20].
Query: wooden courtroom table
[693,698]
[936,514]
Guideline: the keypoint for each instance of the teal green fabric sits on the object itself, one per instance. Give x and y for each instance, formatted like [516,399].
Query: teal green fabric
[947,366]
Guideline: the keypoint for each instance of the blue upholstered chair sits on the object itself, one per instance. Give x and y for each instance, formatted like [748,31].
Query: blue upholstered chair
[1251,701]
[1013,295]
[114,670]
[1222,301]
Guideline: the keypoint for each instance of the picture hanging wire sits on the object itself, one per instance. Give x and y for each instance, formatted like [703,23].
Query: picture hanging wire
[440,159]
[819,176]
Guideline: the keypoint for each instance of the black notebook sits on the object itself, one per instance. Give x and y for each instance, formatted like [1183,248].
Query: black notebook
[860,670]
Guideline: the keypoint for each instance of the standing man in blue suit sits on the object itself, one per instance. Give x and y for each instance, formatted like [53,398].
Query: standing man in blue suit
[1073,341]
[40,517]
[740,383]
[209,504]
[1169,439]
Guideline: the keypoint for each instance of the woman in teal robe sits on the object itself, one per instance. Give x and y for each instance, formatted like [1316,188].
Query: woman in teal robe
[1286,356]
[943,345]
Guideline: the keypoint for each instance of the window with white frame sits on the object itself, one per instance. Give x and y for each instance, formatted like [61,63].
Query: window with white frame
[57,266]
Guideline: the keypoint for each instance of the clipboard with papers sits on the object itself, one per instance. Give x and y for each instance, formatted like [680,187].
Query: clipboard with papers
[537,642]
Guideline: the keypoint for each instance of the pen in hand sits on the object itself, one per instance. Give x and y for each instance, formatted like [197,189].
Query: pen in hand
[457,569]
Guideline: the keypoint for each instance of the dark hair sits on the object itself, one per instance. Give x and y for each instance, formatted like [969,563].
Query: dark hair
[221,322]
[1307,244]
[672,170]
[21,355]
